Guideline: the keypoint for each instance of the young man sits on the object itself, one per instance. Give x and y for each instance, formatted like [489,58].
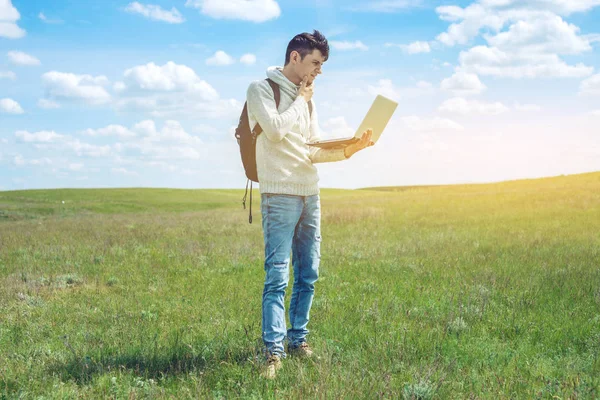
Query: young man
[290,205]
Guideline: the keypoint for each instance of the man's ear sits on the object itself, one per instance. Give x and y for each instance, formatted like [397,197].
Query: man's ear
[295,56]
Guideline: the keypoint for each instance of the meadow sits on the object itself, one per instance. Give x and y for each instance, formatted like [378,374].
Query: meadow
[483,291]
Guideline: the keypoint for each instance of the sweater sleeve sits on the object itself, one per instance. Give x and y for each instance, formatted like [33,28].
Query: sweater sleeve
[261,105]
[318,155]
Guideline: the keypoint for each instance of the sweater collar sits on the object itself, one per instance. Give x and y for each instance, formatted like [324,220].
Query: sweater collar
[276,75]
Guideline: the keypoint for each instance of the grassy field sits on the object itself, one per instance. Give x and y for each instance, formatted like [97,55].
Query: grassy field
[469,291]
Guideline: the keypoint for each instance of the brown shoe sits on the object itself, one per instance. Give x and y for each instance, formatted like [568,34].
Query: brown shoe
[303,350]
[273,365]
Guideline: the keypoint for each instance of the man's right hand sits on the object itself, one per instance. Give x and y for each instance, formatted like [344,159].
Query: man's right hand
[306,91]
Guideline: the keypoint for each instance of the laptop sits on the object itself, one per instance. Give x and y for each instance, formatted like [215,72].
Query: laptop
[377,118]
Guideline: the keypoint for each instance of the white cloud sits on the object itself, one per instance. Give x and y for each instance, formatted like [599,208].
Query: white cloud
[248,59]
[48,104]
[39,137]
[86,149]
[527,107]
[76,166]
[9,106]
[47,20]
[110,130]
[9,15]
[170,90]
[535,37]
[463,83]
[561,7]
[412,48]
[20,161]
[544,34]
[124,171]
[72,86]
[460,105]
[170,77]
[337,128]
[20,58]
[247,10]
[171,142]
[8,75]
[590,85]
[485,60]
[357,45]
[155,12]
[419,124]
[220,58]
[385,6]
[171,132]
[386,88]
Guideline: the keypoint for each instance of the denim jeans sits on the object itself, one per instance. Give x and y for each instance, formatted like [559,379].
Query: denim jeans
[290,224]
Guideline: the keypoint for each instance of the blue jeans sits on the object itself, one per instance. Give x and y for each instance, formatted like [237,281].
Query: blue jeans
[290,224]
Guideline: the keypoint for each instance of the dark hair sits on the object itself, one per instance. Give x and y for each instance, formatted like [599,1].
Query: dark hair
[305,43]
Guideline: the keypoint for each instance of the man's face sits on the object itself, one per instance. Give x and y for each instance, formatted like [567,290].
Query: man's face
[311,65]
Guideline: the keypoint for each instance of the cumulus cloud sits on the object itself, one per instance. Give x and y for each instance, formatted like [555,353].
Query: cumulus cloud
[48,104]
[590,85]
[386,88]
[248,59]
[561,7]
[8,75]
[171,142]
[70,86]
[531,45]
[19,161]
[337,127]
[39,137]
[9,106]
[123,171]
[357,45]
[492,61]
[171,90]
[248,10]
[170,77]
[75,166]
[385,6]
[220,58]
[463,83]
[155,12]
[9,16]
[412,48]
[544,34]
[86,149]
[111,130]
[20,58]
[460,105]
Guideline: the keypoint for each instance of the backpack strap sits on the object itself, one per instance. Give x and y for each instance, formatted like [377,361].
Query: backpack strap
[277,94]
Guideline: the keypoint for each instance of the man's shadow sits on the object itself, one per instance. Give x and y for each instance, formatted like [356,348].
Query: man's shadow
[154,361]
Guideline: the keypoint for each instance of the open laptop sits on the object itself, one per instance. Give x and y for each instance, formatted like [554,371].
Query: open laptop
[377,118]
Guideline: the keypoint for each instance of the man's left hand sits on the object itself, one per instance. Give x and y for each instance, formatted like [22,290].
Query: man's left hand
[363,143]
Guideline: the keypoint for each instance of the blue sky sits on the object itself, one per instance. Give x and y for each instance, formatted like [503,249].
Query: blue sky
[146,94]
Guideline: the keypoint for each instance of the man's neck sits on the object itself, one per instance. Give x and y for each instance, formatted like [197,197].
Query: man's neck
[288,73]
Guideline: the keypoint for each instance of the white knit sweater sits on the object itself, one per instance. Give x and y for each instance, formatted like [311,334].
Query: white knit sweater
[284,162]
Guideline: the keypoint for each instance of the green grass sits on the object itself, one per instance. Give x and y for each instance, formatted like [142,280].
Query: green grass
[467,291]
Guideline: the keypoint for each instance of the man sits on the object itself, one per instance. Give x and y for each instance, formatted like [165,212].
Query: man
[290,203]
